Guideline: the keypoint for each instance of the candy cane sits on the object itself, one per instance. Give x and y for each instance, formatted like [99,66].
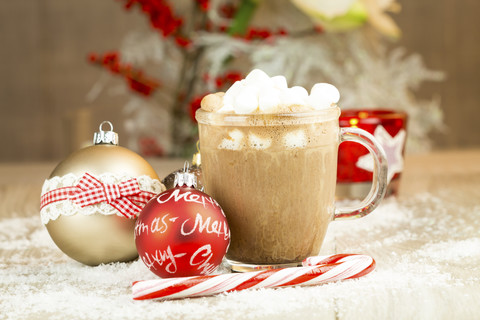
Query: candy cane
[315,271]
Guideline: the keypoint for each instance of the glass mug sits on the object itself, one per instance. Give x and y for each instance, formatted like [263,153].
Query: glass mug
[274,175]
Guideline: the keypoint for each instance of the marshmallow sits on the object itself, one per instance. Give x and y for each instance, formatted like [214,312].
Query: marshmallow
[230,95]
[259,78]
[280,82]
[294,96]
[319,102]
[269,100]
[300,91]
[323,95]
[246,100]
[258,93]
[212,102]
[233,142]
[295,139]
[227,108]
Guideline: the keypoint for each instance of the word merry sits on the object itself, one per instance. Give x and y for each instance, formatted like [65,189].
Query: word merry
[217,227]
[187,196]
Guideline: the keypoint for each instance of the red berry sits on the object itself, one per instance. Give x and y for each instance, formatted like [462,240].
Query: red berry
[92,57]
[282,32]
[195,104]
[183,42]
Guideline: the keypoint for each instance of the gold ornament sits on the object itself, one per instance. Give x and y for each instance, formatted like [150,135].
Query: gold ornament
[97,237]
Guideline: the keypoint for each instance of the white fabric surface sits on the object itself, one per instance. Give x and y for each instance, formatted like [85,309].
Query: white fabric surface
[427,250]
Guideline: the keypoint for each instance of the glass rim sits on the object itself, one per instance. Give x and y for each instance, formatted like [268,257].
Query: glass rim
[258,119]
[363,114]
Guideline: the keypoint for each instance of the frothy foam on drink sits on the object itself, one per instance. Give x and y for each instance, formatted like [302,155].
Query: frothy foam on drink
[233,142]
[258,143]
[259,93]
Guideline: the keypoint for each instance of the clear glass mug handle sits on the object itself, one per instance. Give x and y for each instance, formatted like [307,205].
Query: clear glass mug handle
[379,182]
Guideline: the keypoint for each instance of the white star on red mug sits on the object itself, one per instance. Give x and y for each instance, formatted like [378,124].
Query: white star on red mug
[393,147]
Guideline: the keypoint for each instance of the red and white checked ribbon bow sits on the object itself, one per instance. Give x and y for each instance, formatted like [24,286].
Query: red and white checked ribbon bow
[89,190]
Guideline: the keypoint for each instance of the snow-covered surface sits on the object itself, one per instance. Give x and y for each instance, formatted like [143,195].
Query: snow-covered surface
[427,249]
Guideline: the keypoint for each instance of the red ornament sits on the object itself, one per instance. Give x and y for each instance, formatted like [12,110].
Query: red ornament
[182,232]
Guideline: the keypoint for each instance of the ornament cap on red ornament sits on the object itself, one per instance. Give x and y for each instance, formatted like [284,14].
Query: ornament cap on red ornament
[185,178]
[182,231]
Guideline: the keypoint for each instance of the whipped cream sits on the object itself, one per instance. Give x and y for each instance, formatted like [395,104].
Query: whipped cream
[259,93]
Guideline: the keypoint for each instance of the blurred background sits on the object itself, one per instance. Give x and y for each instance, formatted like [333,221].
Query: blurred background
[56,88]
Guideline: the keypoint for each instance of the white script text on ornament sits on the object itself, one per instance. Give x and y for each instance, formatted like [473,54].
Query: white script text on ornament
[187,196]
[157,225]
[160,257]
[204,265]
[217,227]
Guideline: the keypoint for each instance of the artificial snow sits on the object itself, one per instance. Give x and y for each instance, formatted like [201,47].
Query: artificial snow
[427,251]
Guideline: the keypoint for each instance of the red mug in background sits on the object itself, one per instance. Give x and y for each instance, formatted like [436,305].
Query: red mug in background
[355,166]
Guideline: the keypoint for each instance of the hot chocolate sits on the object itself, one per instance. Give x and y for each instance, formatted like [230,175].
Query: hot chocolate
[269,157]
[275,181]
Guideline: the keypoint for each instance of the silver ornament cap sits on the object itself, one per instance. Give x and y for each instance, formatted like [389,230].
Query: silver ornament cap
[105,137]
[185,178]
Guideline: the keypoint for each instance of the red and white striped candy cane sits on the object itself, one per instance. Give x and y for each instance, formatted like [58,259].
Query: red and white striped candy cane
[315,271]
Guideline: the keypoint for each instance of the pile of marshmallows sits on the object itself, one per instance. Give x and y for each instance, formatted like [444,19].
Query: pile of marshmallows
[258,93]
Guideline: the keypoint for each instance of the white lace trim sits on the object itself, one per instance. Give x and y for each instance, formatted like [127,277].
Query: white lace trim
[68,208]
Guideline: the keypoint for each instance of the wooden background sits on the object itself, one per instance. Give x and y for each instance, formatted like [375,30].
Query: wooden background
[45,77]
